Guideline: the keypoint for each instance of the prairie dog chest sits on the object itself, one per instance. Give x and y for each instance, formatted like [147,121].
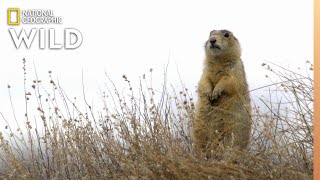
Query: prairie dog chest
[220,71]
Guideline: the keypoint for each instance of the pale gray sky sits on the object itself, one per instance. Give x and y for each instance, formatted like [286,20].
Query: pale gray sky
[129,37]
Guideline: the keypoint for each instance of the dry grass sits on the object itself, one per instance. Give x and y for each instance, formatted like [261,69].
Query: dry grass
[140,134]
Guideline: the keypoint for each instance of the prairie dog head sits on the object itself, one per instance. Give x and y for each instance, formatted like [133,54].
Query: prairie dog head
[222,43]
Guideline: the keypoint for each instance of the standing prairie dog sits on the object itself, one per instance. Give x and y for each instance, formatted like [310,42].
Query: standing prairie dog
[223,109]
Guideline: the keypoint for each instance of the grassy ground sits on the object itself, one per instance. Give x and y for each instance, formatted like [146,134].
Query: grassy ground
[139,134]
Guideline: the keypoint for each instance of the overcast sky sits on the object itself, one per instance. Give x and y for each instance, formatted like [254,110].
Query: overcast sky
[129,37]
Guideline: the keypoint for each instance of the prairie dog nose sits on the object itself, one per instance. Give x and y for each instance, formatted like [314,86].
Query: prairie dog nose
[213,40]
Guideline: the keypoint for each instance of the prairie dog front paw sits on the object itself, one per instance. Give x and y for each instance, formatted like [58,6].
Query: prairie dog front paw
[216,93]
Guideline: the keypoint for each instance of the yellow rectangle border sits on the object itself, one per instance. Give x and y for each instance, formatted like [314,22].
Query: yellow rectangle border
[9,16]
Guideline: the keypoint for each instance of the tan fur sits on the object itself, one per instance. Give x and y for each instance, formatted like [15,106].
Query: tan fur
[223,109]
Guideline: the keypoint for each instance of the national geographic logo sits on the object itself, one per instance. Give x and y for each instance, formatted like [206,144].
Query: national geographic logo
[34,16]
[72,38]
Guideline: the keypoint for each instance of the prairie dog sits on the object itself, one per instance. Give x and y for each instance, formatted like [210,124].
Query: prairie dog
[223,109]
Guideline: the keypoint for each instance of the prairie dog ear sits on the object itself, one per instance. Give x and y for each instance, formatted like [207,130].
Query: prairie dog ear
[235,38]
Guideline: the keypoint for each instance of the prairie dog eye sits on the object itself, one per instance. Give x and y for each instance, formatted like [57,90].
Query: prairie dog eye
[226,35]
